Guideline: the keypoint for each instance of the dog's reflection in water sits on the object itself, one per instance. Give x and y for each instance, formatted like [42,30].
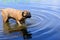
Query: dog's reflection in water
[22,29]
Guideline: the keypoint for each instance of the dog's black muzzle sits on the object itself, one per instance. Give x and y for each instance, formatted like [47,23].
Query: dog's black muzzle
[27,16]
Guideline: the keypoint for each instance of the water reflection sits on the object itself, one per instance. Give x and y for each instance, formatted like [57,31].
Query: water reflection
[8,29]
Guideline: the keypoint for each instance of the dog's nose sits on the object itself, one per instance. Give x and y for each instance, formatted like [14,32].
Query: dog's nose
[29,16]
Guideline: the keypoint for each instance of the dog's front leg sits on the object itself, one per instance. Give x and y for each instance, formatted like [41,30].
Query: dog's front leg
[19,23]
[22,21]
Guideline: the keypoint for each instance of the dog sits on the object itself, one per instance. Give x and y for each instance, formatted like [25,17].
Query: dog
[18,15]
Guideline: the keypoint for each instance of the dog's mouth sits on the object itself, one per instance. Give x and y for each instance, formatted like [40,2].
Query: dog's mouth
[27,16]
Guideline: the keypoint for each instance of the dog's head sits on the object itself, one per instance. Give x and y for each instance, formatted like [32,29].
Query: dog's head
[26,14]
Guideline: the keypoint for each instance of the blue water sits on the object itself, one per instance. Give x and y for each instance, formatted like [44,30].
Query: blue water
[44,23]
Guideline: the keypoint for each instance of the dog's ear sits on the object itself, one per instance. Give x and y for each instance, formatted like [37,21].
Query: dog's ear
[23,14]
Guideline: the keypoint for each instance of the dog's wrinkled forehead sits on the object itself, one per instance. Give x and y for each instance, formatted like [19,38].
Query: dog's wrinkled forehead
[26,12]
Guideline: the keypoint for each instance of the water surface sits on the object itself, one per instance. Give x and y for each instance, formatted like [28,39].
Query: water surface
[44,23]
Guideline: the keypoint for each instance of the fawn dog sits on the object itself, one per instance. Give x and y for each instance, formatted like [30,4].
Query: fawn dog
[18,15]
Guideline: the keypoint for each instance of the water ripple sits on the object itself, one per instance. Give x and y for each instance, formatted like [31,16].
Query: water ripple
[43,22]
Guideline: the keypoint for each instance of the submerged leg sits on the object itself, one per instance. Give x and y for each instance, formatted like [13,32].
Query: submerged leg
[19,23]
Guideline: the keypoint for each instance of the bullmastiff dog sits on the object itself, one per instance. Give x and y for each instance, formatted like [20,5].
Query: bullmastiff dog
[18,15]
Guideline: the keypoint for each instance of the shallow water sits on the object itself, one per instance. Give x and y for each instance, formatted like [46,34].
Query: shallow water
[43,25]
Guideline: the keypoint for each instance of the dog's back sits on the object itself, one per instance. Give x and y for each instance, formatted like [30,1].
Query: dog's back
[10,12]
